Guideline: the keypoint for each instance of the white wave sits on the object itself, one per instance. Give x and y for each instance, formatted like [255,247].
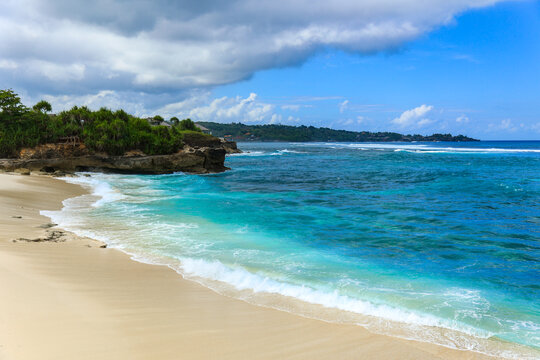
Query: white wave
[421,326]
[66,217]
[287,151]
[262,153]
[400,322]
[431,151]
[100,188]
[239,278]
[250,153]
[420,148]
[242,279]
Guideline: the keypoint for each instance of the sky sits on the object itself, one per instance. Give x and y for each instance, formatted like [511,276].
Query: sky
[464,66]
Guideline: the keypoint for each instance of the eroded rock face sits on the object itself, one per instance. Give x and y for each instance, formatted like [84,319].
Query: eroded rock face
[230,147]
[53,158]
[53,151]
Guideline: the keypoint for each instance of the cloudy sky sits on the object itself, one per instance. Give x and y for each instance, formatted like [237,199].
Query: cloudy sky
[413,66]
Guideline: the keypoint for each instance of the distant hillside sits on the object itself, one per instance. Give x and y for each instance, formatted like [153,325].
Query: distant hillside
[241,132]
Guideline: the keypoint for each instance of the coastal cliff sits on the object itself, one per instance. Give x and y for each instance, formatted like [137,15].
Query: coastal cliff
[197,156]
[81,139]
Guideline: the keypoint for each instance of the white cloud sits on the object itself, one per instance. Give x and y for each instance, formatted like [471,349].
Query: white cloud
[414,117]
[225,109]
[104,98]
[61,46]
[424,122]
[350,123]
[293,120]
[275,119]
[462,119]
[197,105]
[506,125]
[7,64]
[343,106]
[291,107]
[56,72]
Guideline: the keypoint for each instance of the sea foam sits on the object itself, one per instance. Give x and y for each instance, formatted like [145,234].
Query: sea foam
[420,148]
[255,287]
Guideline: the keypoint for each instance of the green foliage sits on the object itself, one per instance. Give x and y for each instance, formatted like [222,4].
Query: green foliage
[174,121]
[241,132]
[42,106]
[156,120]
[188,124]
[18,126]
[104,130]
[10,103]
[199,139]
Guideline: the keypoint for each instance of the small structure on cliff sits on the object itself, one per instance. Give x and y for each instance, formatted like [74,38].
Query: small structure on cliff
[158,121]
[203,129]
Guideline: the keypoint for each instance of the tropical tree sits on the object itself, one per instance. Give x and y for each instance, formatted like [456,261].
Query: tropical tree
[42,107]
[10,103]
[188,124]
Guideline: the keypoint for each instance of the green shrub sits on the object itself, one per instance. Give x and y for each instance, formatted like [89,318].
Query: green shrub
[188,124]
[112,132]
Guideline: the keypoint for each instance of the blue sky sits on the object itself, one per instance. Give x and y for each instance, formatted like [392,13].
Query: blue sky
[411,66]
[484,68]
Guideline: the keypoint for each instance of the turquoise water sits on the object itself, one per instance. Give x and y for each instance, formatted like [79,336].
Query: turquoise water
[436,242]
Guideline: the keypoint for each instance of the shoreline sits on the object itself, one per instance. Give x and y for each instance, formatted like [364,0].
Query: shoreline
[63,297]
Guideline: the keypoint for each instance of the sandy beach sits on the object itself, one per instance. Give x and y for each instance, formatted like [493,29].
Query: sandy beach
[72,299]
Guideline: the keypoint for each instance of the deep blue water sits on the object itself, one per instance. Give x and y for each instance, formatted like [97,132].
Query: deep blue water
[433,241]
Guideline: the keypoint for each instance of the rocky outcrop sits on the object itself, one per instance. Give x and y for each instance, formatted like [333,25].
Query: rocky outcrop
[197,140]
[230,147]
[53,151]
[58,158]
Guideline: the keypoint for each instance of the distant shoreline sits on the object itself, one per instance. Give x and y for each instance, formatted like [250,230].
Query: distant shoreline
[241,132]
[360,142]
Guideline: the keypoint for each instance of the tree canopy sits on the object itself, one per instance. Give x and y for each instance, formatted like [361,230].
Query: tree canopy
[104,130]
[274,132]
[42,106]
[10,103]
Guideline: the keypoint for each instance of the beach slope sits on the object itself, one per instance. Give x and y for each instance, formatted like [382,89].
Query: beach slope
[72,299]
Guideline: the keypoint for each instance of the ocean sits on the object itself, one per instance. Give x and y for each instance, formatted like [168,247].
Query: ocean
[437,242]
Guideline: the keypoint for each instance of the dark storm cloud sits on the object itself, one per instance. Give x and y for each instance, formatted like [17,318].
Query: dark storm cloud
[74,46]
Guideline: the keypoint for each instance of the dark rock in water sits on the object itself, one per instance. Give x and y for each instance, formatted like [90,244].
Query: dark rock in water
[199,140]
[230,147]
[200,155]
[17,217]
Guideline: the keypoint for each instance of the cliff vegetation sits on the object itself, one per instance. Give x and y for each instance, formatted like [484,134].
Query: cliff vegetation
[242,132]
[103,131]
